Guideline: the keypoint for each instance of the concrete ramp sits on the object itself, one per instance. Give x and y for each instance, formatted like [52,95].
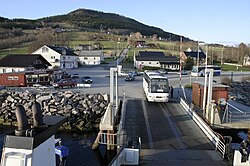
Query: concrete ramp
[180,158]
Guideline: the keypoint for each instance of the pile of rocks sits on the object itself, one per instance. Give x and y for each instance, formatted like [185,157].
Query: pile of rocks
[240,91]
[84,111]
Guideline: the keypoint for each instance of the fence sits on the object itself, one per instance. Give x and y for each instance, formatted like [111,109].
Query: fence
[214,138]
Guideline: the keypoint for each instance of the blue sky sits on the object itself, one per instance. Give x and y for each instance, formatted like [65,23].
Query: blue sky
[211,21]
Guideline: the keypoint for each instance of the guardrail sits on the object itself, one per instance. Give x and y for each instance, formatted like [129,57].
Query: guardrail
[129,151]
[122,137]
[233,114]
[127,156]
[107,138]
[214,138]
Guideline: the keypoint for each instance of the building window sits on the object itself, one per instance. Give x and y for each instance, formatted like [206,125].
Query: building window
[149,62]
[32,79]
[38,61]
[43,78]
[52,57]
[45,49]
[85,58]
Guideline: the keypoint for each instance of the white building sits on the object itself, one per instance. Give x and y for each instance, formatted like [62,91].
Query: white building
[246,60]
[156,59]
[59,56]
[91,57]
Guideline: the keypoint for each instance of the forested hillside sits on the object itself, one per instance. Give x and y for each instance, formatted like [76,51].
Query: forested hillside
[17,31]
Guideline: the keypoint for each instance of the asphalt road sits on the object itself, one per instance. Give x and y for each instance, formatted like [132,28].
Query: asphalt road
[101,81]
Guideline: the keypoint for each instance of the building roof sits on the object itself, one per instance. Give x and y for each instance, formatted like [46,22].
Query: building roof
[63,50]
[155,56]
[85,53]
[22,60]
[194,54]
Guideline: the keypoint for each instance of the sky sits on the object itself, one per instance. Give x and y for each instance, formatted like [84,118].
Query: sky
[211,21]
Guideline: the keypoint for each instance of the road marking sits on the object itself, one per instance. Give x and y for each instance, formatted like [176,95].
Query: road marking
[172,125]
[150,138]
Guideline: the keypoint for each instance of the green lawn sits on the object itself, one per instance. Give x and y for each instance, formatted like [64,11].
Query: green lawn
[234,68]
[21,50]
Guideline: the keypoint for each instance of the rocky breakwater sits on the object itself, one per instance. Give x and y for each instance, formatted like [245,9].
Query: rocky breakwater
[84,111]
[240,91]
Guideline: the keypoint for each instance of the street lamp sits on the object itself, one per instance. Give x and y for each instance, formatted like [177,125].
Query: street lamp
[197,59]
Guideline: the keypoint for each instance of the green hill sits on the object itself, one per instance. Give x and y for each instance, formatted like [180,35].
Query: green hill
[89,20]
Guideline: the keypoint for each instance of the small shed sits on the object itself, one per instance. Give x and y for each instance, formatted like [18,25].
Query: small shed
[219,91]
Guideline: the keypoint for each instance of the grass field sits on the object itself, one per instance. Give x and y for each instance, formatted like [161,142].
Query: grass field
[234,68]
[21,50]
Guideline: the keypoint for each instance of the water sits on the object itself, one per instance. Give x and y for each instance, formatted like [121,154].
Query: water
[80,152]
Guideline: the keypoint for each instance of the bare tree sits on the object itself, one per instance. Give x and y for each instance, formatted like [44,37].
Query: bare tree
[242,52]
[155,37]
[48,36]
[138,35]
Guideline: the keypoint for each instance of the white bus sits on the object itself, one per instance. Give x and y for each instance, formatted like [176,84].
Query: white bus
[155,86]
[200,70]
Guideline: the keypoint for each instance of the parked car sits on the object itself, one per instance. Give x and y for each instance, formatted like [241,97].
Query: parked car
[162,71]
[183,72]
[130,77]
[87,79]
[135,73]
[75,76]
[65,83]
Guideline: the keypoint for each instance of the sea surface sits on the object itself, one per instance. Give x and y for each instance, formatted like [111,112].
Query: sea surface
[79,144]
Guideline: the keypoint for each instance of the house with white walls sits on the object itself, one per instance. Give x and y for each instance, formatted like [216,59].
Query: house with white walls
[59,56]
[156,59]
[91,57]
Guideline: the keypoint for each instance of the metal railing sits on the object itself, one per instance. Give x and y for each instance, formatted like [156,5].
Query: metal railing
[107,138]
[122,137]
[128,155]
[232,114]
[211,135]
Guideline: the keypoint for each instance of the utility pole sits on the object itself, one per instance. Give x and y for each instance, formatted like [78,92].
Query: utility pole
[180,58]
[221,56]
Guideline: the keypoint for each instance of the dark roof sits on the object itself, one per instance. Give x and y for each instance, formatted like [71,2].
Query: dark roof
[170,63]
[155,56]
[194,54]
[22,60]
[63,50]
[96,53]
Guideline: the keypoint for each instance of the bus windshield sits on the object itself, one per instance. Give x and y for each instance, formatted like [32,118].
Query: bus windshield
[159,86]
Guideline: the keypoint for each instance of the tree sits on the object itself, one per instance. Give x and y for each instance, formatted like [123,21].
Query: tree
[243,51]
[189,63]
[155,37]
[138,35]
[48,36]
